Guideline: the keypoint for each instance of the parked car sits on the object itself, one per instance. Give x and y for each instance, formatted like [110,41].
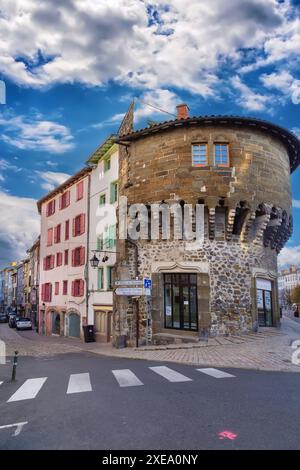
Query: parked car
[3,318]
[23,323]
[12,320]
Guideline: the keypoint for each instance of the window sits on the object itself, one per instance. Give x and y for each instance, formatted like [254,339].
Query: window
[57,233]
[78,288]
[110,237]
[102,199]
[66,260]
[50,208]
[110,279]
[64,200]
[79,191]
[50,236]
[199,154]
[48,262]
[56,289]
[100,279]
[100,242]
[79,225]
[78,256]
[65,287]
[67,229]
[113,192]
[107,164]
[46,292]
[58,259]
[221,154]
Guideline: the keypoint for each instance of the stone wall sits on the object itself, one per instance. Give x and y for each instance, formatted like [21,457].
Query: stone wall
[247,221]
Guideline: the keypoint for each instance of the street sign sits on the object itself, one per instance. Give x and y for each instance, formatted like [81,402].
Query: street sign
[147,283]
[129,282]
[129,291]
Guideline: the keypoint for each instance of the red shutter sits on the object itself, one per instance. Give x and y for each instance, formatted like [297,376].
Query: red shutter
[53,206]
[67,225]
[74,227]
[55,234]
[60,202]
[82,255]
[43,291]
[79,190]
[44,264]
[73,288]
[52,262]
[81,287]
[57,288]
[73,257]
[82,224]
[58,231]
[67,198]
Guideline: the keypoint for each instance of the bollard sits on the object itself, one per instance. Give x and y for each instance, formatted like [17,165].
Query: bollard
[14,369]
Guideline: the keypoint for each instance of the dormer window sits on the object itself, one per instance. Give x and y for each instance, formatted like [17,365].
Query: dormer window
[199,154]
[221,154]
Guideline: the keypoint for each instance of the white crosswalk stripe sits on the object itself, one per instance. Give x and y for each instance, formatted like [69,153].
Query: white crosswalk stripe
[79,383]
[1,383]
[216,373]
[28,390]
[126,378]
[170,374]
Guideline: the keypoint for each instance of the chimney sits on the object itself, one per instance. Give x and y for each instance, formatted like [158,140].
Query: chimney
[182,111]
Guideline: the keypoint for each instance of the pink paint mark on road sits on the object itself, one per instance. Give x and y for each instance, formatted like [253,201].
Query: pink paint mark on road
[227,435]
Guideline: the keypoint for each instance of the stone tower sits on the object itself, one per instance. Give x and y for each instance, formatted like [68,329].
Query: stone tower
[239,169]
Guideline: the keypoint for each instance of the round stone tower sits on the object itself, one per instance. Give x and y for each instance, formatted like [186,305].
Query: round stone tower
[239,169]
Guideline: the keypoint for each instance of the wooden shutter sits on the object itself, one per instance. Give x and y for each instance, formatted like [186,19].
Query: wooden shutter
[55,234]
[73,288]
[52,262]
[81,287]
[43,291]
[74,227]
[67,229]
[45,264]
[60,201]
[57,288]
[82,255]
[73,257]
[82,224]
[67,198]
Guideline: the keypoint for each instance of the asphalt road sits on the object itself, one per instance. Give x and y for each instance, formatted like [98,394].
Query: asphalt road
[259,410]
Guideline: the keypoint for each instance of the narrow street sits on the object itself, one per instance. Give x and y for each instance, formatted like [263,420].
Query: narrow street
[82,400]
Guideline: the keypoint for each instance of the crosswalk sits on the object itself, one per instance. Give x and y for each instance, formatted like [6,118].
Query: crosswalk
[81,383]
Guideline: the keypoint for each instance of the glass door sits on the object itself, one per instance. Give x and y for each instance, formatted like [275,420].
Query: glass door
[180,301]
[264,307]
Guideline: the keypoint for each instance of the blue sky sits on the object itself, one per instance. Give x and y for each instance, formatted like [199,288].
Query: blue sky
[71,69]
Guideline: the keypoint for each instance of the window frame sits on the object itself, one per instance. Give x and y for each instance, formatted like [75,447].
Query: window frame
[113,185]
[106,164]
[197,165]
[224,165]
[101,196]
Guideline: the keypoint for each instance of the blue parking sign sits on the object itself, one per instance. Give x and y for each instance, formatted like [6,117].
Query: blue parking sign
[147,283]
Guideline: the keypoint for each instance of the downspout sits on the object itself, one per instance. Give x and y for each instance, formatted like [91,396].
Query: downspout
[87,248]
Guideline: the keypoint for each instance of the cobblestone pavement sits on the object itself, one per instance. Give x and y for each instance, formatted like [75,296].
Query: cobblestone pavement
[270,349]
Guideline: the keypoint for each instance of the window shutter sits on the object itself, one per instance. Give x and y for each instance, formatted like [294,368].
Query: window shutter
[55,234]
[67,228]
[60,202]
[43,290]
[52,262]
[72,288]
[82,224]
[50,292]
[100,279]
[44,265]
[73,257]
[74,227]
[82,255]
[68,198]
[81,287]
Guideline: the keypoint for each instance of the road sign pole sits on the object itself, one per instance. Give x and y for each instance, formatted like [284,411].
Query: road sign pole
[137,310]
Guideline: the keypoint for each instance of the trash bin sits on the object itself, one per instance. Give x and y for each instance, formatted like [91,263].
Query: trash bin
[89,335]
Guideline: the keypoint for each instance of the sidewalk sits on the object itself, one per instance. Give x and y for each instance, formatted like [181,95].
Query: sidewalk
[270,349]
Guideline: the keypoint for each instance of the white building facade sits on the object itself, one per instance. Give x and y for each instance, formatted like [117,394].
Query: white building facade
[289,279]
[103,203]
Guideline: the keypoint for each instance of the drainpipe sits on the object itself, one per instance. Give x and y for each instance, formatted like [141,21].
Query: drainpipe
[87,249]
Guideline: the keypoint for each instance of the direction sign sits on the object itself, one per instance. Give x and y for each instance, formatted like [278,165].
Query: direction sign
[129,282]
[129,291]
[147,283]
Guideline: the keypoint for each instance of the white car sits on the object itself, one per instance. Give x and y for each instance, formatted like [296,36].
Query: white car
[23,324]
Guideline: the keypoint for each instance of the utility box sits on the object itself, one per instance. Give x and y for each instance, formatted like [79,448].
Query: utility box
[89,333]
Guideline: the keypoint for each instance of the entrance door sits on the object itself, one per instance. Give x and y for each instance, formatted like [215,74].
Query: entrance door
[55,323]
[74,325]
[181,310]
[264,302]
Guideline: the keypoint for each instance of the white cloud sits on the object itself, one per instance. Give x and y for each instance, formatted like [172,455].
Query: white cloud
[285,83]
[35,133]
[51,179]
[50,163]
[248,98]
[289,255]
[174,44]
[296,204]
[19,226]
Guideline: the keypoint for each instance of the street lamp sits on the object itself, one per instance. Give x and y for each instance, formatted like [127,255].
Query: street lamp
[94,261]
